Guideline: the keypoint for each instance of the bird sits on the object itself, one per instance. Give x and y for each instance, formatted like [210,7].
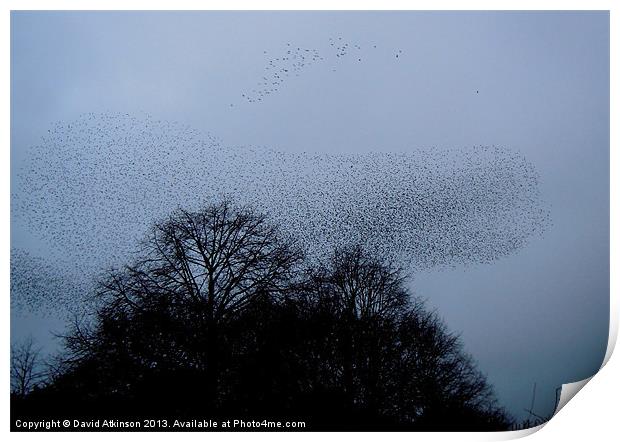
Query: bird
[296,59]
[92,186]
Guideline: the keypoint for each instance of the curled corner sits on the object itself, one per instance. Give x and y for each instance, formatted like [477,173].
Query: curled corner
[569,391]
[613,330]
[518,434]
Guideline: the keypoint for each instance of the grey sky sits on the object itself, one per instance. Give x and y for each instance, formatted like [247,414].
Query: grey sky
[537,83]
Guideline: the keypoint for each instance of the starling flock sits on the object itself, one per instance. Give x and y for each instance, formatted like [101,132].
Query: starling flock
[37,286]
[295,59]
[291,62]
[92,187]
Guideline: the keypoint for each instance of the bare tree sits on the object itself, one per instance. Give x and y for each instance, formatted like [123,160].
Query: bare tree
[347,344]
[209,264]
[365,287]
[219,257]
[25,370]
[363,291]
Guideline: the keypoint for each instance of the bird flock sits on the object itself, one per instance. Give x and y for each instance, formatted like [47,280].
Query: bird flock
[279,69]
[294,59]
[90,190]
[38,286]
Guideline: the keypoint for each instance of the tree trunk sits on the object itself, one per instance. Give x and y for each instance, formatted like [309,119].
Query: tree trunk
[212,369]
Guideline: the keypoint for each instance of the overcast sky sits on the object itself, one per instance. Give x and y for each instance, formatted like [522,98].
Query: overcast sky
[534,83]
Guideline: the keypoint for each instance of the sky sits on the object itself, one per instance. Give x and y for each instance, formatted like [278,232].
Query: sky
[534,83]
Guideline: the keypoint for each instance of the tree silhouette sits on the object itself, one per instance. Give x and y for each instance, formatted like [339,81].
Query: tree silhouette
[217,316]
[394,361]
[25,367]
[200,266]
[363,293]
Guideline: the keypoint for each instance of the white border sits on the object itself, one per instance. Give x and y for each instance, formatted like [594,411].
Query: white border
[591,416]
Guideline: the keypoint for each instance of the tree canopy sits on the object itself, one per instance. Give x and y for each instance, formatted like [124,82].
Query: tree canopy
[221,316]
